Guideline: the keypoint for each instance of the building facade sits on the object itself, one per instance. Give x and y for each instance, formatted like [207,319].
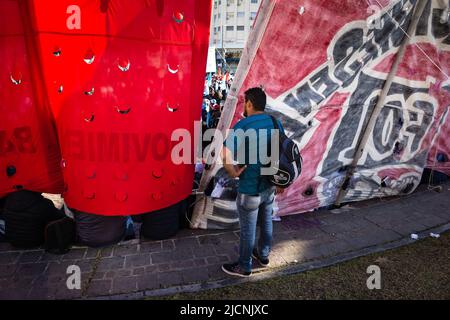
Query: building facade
[232,21]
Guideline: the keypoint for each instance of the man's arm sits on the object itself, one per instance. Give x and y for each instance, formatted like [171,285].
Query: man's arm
[232,170]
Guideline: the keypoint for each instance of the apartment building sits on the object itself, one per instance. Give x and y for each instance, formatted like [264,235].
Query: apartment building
[232,21]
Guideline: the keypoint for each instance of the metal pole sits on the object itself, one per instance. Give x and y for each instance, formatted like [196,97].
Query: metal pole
[418,10]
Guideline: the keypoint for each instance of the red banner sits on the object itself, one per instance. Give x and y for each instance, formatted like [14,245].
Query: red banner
[29,151]
[121,76]
[324,66]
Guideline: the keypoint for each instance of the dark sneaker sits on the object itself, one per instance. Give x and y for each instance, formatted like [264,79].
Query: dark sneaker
[235,269]
[262,261]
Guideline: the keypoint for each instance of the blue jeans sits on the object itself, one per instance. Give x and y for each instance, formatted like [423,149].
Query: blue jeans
[255,210]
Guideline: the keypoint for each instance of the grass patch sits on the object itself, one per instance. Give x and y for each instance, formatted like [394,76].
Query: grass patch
[417,271]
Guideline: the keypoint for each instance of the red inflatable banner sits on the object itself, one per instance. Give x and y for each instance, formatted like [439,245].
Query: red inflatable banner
[121,77]
[29,151]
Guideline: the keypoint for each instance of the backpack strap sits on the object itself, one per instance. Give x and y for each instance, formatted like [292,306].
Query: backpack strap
[276,127]
[275,123]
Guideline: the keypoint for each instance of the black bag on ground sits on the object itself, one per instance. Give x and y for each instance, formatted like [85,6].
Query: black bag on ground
[289,164]
[99,231]
[60,235]
[164,223]
[26,215]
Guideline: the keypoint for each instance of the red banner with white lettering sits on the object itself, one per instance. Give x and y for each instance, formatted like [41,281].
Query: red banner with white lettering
[323,66]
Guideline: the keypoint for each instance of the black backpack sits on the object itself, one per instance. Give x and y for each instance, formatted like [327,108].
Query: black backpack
[32,221]
[289,164]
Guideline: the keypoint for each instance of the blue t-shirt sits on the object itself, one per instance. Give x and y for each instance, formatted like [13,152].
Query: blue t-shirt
[246,150]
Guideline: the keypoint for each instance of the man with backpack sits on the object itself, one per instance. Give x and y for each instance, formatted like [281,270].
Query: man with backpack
[256,192]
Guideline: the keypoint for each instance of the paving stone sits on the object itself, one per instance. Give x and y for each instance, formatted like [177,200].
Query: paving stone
[228,249]
[168,245]
[17,294]
[331,219]
[171,256]
[299,222]
[190,242]
[164,267]
[149,247]
[20,281]
[147,282]
[98,275]
[7,270]
[195,275]
[218,259]
[429,220]
[138,271]
[276,260]
[204,251]
[99,288]
[137,260]
[288,246]
[31,269]
[381,217]
[53,288]
[168,279]
[348,226]
[30,256]
[442,213]
[286,236]
[8,257]
[75,254]
[124,272]
[334,248]
[406,227]
[63,293]
[124,285]
[304,234]
[422,200]
[200,262]
[298,254]
[46,280]
[107,252]
[215,239]
[50,257]
[215,272]
[92,253]
[4,283]
[125,250]
[60,267]
[370,238]
[151,269]
[113,263]
[183,264]
[228,237]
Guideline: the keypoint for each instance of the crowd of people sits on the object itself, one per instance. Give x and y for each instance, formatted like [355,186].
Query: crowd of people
[217,86]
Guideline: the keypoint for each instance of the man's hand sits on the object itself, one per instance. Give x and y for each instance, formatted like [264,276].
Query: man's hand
[279,191]
[237,171]
[232,170]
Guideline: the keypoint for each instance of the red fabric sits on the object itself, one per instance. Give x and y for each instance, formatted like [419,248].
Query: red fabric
[112,85]
[28,142]
[288,59]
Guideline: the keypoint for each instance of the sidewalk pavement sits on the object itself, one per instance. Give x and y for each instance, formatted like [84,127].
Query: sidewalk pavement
[192,261]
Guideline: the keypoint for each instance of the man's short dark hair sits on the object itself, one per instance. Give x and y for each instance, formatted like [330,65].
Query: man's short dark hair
[257,97]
